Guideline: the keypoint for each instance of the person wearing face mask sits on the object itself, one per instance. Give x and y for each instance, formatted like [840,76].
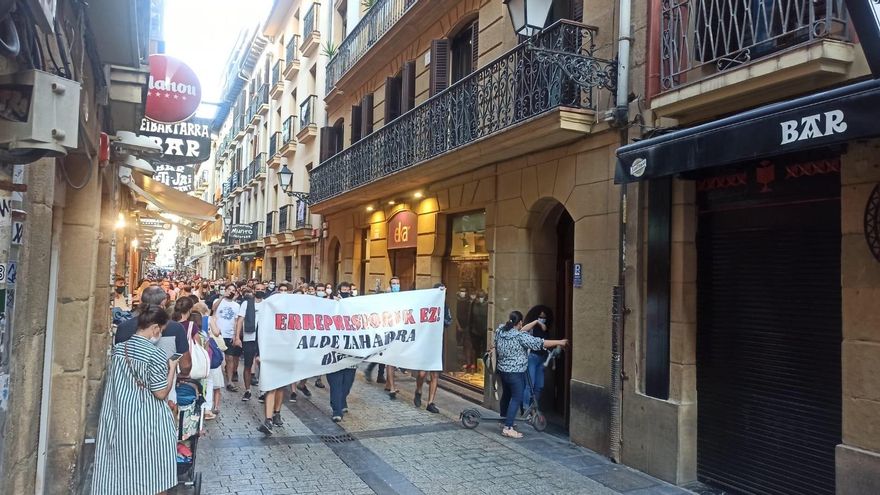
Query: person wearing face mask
[389,370]
[135,421]
[544,317]
[119,299]
[311,290]
[354,290]
[246,332]
[225,311]
[434,375]
[340,381]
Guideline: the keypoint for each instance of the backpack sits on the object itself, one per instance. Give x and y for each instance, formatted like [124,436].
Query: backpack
[215,353]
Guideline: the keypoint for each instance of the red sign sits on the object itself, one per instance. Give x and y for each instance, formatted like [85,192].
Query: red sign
[174,90]
[403,230]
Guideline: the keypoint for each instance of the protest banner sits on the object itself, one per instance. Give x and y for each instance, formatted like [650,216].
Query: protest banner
[303,336]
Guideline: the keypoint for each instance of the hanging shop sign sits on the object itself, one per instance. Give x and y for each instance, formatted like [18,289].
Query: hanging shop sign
[179,177]
[403,230]
[241,232]
[174,92]
[865,16]
[182,143]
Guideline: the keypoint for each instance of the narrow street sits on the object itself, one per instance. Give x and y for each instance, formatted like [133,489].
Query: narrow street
[390,447]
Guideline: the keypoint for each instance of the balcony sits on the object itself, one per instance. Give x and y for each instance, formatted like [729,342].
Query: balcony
[277,82]
[311,38]
[308,129]
[369,30]
[261,101]
[257,168]
[716,58]
[239,121]
[283,216]
[275,145]
[270,222]
[288,137]
[517,104]
[291,59]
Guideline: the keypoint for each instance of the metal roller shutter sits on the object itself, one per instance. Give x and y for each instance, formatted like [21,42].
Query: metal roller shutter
[768,346]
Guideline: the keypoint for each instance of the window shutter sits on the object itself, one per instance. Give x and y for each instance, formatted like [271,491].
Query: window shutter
[390,107]
[439,66]
[577,10]
[408,87]
[475,44]
[367,115]
[356,124]
[328,142]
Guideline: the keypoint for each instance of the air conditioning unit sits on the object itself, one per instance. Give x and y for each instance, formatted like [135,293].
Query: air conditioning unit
[39,111]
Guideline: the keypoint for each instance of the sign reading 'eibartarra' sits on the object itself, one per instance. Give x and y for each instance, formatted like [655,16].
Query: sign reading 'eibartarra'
[301,336]
[182,143]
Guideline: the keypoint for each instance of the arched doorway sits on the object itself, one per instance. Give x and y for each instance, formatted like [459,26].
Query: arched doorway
[551,234]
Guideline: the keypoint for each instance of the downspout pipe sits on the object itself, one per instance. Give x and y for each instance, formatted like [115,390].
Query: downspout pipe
[621,118]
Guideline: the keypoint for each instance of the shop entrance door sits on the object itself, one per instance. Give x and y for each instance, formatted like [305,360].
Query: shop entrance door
[403,264]
[557,388]
[769,331]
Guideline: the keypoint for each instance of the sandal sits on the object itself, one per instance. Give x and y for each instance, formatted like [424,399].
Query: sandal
[209,415]
[511,433]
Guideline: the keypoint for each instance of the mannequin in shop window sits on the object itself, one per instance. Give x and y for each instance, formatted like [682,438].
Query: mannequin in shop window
[463,322]
[477,328]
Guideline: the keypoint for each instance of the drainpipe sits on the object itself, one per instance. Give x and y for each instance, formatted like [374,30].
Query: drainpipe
[621,115]
[43,439]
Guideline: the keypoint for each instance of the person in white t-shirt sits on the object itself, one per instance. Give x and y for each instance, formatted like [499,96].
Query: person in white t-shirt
[226,312]
[246,332]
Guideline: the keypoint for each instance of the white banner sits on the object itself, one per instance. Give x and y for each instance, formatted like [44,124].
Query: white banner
[303,336]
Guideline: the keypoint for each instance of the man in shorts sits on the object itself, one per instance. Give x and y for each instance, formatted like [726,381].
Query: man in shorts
[246,331]
[226,312]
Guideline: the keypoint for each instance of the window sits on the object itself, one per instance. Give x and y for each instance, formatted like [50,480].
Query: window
[393,86]
[288,268]
[464,47]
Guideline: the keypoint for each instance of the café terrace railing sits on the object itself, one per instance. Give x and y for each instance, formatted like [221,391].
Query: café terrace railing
[699,38]
[372,26]
[519,85]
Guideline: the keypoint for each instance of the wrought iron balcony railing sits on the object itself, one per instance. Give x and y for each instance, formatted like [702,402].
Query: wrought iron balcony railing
[291,51]
[521,84]
[276,73]
[270,222]
[246,175]
[257,166]
[258,231]
[307,111]
[288,133]
[283,217]
[275,144]
[702,37]
[372,26]
[310,21]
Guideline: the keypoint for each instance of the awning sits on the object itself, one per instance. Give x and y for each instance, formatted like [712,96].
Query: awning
[817,120]
[171,200]
[193,259]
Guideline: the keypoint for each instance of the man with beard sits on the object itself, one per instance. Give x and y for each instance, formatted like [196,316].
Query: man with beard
[226,311]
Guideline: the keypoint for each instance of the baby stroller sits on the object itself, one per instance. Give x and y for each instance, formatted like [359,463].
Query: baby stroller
[190,398]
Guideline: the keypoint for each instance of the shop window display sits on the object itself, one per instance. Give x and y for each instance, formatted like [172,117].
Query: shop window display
[466,274]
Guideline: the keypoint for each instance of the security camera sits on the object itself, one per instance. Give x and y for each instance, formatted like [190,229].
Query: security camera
[129,142]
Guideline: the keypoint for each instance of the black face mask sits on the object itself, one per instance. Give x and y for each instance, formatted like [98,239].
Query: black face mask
[344,294]
[120,290]
[261,294]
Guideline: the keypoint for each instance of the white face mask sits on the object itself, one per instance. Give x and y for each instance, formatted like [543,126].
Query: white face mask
[321,294]
[354,292]
[462,294]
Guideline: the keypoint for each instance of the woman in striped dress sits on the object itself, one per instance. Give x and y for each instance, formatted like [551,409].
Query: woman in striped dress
[136,445]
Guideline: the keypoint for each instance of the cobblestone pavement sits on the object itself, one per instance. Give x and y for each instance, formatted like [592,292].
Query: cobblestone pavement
[390,447]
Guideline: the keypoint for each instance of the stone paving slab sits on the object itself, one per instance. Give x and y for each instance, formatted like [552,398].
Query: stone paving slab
[389,447]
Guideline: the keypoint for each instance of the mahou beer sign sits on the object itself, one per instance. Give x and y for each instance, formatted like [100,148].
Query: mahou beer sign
[174,92]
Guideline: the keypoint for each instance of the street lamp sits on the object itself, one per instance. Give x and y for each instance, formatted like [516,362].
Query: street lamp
[528,16]
[285,178]
[227,217]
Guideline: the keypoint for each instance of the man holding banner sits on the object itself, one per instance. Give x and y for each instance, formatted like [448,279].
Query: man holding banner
[301,336]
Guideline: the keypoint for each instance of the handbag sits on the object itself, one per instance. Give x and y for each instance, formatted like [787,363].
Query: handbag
[216,354]
[201,361]
[218,339]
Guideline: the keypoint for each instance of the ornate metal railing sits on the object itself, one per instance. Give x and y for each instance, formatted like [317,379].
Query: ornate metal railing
[292,49]
[372,26]
[521,84]
[283,217]
[275,144]
[288,133]
[246,175]
[310,21]
[307,111]
[258,231]
[702,37]
[257,166]
[276,73]
[270,222]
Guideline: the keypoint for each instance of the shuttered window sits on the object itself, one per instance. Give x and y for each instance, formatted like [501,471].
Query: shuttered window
[408,87]
[328,141]
[367,115]
[356,124]
[439,73]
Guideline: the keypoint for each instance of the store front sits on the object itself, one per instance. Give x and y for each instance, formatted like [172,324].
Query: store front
[466,275]
[776,227]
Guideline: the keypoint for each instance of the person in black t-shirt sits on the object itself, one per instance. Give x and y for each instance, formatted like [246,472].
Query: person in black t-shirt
[536,358]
